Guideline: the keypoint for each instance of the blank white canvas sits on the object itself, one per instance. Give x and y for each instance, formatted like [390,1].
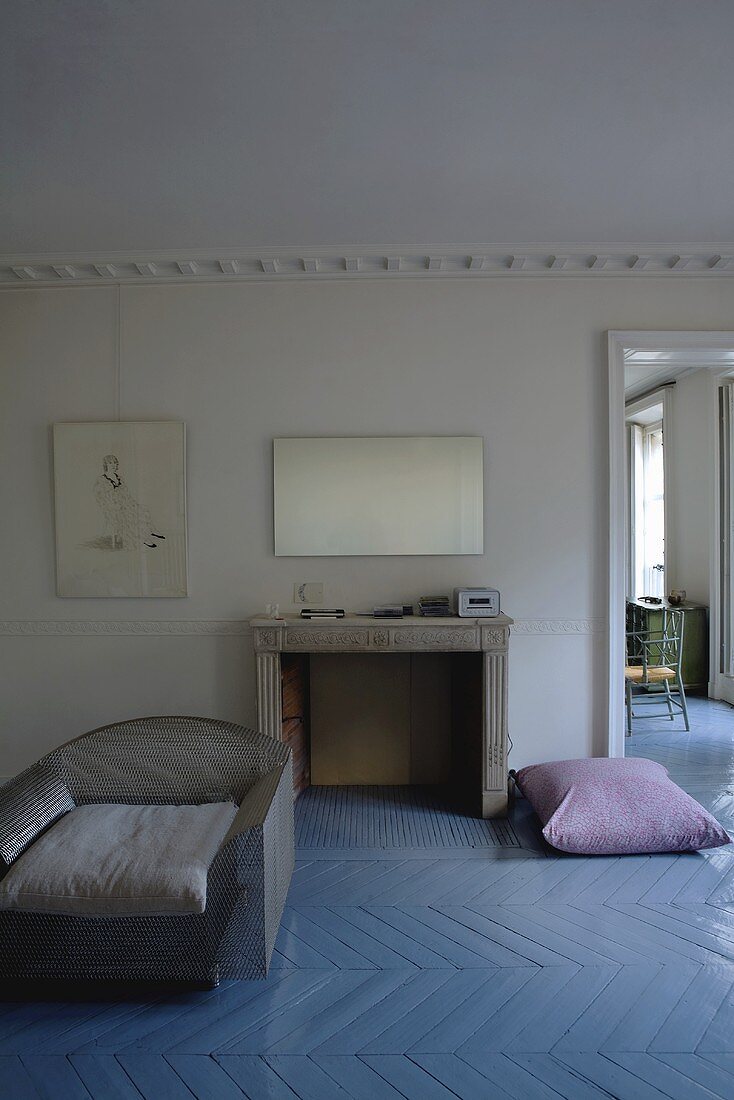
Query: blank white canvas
[127,539]
[378,495]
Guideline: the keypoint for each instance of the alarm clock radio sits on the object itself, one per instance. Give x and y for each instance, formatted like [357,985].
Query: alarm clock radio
[477,603]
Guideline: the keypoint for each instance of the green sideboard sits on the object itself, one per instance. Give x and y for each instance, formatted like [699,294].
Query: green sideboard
[695,665]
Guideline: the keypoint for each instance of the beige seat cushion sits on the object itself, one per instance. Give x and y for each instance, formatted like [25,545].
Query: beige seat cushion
[636,673]
[115,860]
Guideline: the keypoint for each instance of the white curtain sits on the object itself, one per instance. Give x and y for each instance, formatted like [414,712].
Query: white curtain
[635,512]
[726,411]
[654,512]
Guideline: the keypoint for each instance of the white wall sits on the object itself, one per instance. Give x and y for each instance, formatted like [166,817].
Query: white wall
[520,361]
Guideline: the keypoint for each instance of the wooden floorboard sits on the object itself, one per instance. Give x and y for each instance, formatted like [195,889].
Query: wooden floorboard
[424,954]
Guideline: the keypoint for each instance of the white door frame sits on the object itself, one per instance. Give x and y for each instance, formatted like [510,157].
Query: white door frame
[723,682]
[685,351]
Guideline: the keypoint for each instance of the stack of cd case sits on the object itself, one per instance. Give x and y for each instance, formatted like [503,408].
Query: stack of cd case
[434,605]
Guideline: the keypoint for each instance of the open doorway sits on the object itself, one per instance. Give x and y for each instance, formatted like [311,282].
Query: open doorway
[671,545]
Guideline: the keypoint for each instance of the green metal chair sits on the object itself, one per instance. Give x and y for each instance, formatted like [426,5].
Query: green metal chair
[653,663]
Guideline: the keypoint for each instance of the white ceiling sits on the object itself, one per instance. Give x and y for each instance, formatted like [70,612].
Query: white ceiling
[161,124]
[650,415]
[646,368]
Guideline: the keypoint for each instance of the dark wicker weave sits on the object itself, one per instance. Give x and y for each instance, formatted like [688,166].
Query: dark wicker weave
[173,761]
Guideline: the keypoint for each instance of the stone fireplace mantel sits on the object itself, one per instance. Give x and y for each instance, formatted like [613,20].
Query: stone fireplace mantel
[361,634]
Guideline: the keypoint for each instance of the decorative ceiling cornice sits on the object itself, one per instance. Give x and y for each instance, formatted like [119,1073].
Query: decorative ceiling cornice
[352,262]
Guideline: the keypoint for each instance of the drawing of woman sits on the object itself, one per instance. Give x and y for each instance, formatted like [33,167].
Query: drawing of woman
[128,525]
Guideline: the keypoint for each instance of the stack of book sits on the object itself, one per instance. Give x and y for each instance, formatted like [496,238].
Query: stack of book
[434,605]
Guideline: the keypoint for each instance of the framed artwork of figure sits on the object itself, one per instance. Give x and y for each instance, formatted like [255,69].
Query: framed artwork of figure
[120,492]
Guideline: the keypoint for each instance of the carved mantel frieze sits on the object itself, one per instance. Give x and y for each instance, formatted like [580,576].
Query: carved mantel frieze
[359,634]
[449,638]
[301,638]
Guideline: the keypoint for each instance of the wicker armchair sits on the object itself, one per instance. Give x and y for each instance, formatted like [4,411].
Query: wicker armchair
[173,761]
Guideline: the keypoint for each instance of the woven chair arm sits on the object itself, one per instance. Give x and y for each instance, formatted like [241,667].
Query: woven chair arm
[256,804]
[238,862]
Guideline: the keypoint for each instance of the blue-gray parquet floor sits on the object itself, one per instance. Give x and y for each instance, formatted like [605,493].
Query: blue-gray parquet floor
[430,973]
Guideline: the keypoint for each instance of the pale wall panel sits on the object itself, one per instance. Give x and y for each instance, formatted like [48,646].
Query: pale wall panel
[57,362]
[56,688]
[380,718]
[360,718]
[554,712]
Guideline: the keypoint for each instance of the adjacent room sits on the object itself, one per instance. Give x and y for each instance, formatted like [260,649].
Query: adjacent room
[677,557]
[367,630]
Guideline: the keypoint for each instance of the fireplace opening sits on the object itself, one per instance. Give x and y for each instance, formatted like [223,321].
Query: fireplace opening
[388,720]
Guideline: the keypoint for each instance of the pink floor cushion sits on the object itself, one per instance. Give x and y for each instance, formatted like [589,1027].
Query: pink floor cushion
[616,807]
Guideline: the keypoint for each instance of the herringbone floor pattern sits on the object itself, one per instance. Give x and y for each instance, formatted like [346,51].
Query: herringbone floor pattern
[432,974]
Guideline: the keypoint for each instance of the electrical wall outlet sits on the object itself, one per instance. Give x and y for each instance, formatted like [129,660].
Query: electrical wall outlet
[309,592]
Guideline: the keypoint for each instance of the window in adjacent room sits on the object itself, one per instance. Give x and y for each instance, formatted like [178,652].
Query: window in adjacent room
[646,516]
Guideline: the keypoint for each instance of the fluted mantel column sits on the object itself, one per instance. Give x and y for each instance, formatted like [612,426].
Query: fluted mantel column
[494,735]
[268,673]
